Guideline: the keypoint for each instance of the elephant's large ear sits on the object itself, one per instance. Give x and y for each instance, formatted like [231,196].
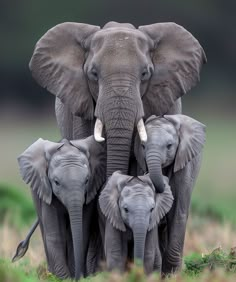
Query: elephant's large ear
[96,154]
[33,163]
[191,139]
[177,59]
[108,199]
[57,64]
[163,204]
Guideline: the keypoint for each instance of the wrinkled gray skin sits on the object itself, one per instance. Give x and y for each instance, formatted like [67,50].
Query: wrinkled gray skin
[118,74]
[63,185]
[132,212]
[174,147]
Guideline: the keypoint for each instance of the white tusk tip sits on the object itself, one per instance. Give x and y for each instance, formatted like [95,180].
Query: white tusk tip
[99,138]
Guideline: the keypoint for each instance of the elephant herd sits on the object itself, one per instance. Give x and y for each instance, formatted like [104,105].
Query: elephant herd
[117,187]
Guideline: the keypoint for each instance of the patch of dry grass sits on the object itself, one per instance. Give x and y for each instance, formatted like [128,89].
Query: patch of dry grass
[10,237]
[202,236]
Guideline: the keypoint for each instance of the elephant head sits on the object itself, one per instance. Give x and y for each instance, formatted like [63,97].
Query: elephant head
[132,201]
[66,170]
[119,74]
[172,140]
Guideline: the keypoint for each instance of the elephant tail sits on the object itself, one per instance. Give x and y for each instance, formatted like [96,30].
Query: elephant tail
[23,245]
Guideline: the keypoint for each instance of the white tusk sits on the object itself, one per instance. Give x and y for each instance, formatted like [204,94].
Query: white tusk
[98,131]
[142,131]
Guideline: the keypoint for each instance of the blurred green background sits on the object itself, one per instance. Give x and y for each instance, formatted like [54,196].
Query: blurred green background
[27,111]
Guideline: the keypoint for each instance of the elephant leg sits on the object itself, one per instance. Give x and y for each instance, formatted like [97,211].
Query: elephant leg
[95,254]
[54,239]
[102,224]
[71,126]
[82,128]
[38,205]
[152,257]
[55,236]
[176,108]
[115,248]
[182,184]
[64,119]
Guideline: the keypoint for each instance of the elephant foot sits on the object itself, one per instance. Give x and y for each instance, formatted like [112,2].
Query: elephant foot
[171,268]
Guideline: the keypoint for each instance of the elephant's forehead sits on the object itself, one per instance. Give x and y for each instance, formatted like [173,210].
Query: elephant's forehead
[137,190]
[122,37]
[160,125]
[68,157]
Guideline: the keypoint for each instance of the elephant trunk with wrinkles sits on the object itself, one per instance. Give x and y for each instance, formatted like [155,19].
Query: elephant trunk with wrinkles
[120,112]
[75,210]
[154,163]
[139,233]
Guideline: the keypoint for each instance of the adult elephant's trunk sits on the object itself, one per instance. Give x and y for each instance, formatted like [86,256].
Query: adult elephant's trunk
[119,109]
[154,164]
[75,210]
[139,234]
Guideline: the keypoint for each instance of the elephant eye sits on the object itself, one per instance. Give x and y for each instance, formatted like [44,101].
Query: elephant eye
[126,210]
[86,181]
[169,146]
[56,182]
[151,210]
[146,73]
[93,75]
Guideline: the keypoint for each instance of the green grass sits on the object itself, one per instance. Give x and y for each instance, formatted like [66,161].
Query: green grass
[15,206]
[216,266]
[196,263]
[215,191]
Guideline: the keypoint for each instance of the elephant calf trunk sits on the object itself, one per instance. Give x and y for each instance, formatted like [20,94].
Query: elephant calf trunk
[155,170]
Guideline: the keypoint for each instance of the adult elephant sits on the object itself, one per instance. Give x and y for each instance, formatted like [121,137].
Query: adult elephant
[118,74]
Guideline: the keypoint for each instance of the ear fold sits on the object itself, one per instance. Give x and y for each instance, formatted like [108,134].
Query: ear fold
[108,199]
[164,203]
[33,164]
[96,154]
[177,59]
[57,64]
[191,139]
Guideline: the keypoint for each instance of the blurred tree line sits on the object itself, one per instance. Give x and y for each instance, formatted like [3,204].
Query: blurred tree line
[23,22]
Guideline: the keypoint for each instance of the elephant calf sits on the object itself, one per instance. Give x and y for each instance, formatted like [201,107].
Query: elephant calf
[173,148]
[132,212]
[65,178]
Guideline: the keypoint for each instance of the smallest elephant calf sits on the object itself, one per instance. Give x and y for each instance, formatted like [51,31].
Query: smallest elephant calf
[132,211]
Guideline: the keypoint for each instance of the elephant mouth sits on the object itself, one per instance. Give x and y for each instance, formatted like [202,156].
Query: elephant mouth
[99,127]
